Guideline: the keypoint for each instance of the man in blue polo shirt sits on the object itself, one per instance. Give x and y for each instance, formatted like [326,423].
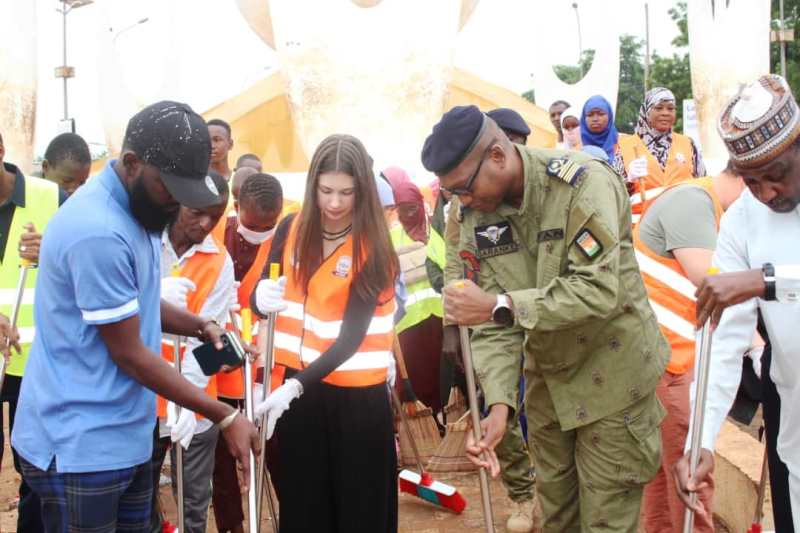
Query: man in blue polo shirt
[85,414]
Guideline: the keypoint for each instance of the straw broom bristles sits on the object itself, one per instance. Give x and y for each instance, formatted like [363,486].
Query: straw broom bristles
[421,424]
[451,455]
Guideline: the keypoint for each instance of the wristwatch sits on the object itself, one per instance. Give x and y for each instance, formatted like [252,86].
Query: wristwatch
[502,313]
[769,282]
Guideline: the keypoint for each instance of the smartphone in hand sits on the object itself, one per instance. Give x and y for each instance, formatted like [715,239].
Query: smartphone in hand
[211,360]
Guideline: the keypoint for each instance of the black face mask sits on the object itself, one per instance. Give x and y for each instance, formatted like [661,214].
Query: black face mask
[152,216]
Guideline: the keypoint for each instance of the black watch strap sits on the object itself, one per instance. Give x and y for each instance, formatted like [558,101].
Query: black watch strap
[769,282]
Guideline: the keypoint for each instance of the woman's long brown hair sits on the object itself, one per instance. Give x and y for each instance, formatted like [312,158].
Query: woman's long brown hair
[374,260]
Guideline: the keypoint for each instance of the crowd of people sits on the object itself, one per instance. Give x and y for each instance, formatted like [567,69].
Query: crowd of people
[585,275]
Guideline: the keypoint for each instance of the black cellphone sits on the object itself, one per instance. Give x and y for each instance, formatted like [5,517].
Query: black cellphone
[211,360]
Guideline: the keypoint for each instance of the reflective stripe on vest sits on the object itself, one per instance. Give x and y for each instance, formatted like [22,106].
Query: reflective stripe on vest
[678,168]
[670,292]
[204,270]
[41,203]
[312,322]
[422,301]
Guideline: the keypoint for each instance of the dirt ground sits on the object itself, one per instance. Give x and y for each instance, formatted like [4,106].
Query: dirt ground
[415,515]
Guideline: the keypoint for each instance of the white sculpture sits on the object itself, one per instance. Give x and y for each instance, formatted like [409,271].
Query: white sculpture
[18,80]
[728,46]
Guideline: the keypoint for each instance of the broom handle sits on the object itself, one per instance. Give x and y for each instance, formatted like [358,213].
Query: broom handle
[23,275]
[398,355]
[406,427]
[266,344]
[247,370]
[486,497]
[176,353]
[759,515]
[698,417]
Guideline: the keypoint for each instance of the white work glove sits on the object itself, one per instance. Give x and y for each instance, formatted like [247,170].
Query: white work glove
[181,427]
[637,168]
[277,402]
[391,372]
[269,295]
[234,306]
[175,290]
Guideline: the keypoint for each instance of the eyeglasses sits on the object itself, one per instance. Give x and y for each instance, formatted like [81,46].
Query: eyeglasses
[467,188]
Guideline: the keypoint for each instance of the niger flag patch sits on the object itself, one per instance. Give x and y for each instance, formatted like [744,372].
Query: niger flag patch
[588,244]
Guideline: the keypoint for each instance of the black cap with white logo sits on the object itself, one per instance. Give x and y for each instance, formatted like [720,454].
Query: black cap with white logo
[173,138]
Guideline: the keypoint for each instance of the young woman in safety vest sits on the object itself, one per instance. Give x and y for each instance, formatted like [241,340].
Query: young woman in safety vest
[333,341]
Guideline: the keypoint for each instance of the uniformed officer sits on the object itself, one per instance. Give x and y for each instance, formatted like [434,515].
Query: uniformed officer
[516,469]
[545,238]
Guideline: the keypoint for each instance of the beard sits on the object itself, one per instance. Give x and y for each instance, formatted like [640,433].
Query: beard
[152,216]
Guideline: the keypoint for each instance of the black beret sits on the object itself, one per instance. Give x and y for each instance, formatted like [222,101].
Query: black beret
[452,139]
[509,120]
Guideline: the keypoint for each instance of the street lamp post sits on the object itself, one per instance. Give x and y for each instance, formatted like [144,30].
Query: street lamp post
[126,28]
[580,39]
[66,72]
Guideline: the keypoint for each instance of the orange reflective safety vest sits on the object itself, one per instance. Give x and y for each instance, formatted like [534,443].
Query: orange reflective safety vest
[204,270]
[679,166]
[312,322]
[670,292]
[231,384]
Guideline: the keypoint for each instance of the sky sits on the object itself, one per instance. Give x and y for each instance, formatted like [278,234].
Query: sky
[218,55]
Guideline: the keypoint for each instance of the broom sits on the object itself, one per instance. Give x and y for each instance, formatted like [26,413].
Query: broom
[451,455]
[422,427]
[422,485]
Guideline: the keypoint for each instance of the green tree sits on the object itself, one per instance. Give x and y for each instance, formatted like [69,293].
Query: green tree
[675,72]
[791,14]
[572,73]
[631,82]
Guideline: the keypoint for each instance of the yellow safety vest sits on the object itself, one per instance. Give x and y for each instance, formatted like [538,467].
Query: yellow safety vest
[41,203]
[422,300]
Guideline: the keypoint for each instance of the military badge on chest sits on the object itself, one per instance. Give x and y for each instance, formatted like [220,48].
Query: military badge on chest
[495,239]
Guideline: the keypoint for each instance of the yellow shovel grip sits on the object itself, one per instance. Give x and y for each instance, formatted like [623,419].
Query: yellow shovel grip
[247,325]
[274,271]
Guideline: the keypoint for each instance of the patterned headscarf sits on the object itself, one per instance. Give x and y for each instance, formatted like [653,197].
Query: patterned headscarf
[658,143]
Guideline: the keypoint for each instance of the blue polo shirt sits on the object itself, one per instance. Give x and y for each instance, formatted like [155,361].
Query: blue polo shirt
[97,265]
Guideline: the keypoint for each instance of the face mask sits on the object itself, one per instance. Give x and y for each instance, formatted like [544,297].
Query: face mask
[254,237]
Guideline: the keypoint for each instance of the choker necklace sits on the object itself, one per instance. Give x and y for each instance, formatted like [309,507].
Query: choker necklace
[329,236]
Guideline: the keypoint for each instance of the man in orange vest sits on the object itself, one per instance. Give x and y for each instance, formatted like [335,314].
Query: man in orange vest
[674,242]
[248,237]
[204,284]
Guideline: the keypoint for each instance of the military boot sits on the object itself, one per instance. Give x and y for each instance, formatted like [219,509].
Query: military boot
[521,519]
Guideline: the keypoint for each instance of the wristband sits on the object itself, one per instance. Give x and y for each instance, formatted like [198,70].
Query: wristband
[228,420]
[769,282]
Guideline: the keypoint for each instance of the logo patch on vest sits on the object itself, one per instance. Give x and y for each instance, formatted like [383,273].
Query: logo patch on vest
[588,244]
[680,158]
[495,239]
[343,265]
[550,235]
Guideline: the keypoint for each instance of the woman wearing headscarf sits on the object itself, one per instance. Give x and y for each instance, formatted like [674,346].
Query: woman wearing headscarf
[571,129]
[655,156]
[597,125]
[420,330]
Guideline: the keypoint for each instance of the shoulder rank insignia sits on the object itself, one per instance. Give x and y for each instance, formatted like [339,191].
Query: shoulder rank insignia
[564,169]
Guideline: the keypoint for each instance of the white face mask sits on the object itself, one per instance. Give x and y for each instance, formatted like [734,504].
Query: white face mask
[254,237]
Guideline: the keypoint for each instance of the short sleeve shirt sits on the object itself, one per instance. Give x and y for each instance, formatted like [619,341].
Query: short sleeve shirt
[97,265]
[682,217]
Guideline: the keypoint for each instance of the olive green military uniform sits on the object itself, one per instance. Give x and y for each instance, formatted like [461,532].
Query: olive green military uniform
[593,349]
[516,468]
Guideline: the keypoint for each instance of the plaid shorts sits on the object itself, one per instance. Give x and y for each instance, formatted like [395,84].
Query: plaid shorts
[108,501]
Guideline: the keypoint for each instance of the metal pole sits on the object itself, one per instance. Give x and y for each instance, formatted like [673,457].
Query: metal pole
[782,42]
[252,520]
[646,47]
[580,38]
[486,497]
[23,276]
[176,354]
[698,416]
[266,331]
[64,12]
